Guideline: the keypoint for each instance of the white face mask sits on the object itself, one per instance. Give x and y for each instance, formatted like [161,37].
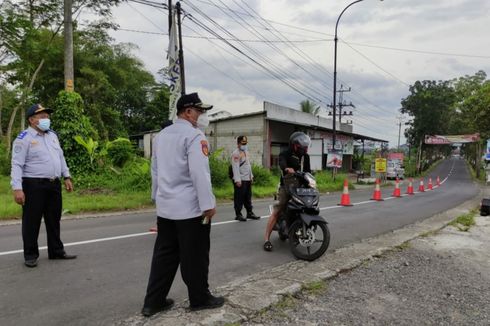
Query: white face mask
[203,121]
[44,124]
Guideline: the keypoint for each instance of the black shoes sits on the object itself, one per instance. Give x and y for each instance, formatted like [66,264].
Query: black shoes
[150,311]
[210,303]
[63,256]
[239,217]
[252,216]
[30,263]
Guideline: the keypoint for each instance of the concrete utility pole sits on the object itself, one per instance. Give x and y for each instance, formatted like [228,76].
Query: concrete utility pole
[400,120]
[69,74]
[343,104]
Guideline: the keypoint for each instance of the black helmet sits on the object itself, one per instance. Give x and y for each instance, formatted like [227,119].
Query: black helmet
[299,142]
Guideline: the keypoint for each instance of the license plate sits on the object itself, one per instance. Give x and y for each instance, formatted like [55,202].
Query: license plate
[305,191]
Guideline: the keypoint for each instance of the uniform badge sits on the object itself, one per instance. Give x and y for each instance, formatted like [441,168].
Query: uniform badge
[204,147]
[34,142]
[17,149]
[22,135]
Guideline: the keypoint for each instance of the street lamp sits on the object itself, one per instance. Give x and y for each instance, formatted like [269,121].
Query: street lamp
[335,73]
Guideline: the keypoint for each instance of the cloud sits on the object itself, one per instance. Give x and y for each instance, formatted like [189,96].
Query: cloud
[377,76]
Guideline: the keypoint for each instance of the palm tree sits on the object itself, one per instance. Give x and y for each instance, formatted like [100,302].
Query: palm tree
[309,107]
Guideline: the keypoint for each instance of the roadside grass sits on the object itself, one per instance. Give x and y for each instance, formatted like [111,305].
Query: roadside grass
[79,201]
[314,288]
[464,222]
[118,196]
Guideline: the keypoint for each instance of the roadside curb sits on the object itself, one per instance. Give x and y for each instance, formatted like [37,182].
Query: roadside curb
[246,297]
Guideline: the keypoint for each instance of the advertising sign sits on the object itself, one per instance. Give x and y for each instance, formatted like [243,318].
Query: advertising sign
[334,159]
[487,155]
[380,165]
[443,140]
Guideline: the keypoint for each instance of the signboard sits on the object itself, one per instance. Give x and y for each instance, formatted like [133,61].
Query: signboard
[334,159]
[395,156]
[342,143]
[380,165]
[446,140]
[487,155]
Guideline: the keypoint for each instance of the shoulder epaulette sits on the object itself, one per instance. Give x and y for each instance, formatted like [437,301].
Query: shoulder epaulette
[22,135]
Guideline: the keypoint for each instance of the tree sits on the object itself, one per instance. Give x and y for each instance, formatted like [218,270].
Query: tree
[309,107]
[430,104]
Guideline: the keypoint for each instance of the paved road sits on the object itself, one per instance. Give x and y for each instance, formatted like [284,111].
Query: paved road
[107,282]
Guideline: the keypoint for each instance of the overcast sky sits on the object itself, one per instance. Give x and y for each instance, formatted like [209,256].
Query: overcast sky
[383,48]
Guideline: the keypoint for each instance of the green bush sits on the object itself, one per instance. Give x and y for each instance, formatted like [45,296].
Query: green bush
[4,160]
[219,169]
[120,151]
[69,120]
[262,176]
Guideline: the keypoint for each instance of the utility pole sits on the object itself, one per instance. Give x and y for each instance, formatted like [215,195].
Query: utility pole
[69,74]
[400,120]
[343,104]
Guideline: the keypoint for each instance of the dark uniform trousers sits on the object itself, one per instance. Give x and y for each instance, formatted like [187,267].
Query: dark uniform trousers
[42,198]
[184,242]
[242,196]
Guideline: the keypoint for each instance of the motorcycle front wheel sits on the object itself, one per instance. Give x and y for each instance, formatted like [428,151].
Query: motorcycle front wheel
[308,242]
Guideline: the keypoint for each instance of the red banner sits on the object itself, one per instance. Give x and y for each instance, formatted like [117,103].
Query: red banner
[443,140]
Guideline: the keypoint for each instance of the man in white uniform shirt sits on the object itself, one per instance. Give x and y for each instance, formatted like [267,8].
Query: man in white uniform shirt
[181,188]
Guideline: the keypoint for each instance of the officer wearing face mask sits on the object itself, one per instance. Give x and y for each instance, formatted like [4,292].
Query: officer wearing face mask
[38,164]
[185,204]
[242,180]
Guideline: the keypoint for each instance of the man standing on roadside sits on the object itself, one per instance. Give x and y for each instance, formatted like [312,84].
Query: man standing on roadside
[38,164]
[181,188]
[242,180]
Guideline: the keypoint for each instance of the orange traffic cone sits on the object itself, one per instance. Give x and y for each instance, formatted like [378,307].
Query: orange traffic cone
[438,181]
[421,186]
[377,192]
[345,198]
[410,187]
[396,192]
[429,185]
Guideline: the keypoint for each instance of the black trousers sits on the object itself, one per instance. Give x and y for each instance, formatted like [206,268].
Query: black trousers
[242,196]
[184,242]
[42,199]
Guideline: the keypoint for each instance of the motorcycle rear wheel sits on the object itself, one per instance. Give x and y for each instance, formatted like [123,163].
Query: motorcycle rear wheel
[306,246]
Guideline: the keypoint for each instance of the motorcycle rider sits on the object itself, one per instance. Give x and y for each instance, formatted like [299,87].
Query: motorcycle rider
[295,158]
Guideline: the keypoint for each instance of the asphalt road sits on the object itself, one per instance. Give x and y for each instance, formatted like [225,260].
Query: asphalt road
[108,280]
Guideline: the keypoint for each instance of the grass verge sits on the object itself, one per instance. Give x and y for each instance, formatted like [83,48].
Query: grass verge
[464,222]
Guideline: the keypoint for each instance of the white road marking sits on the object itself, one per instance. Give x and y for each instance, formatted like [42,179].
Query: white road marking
[134,235]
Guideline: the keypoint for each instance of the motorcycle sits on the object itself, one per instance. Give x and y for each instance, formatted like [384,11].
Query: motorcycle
[301,223]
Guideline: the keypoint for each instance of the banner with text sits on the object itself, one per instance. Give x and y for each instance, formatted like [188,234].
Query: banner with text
[453,139]
[173,68]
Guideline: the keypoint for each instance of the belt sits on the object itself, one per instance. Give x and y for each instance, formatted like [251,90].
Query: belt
[42,179]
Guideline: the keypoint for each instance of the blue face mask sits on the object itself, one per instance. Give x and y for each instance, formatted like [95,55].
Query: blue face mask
[44,124]
[243,147]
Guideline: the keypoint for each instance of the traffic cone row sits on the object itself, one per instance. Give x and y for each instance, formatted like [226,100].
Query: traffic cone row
[345,198]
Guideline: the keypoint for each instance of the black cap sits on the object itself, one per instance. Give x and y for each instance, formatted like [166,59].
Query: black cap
[191,101]
[242,140]
[37,108]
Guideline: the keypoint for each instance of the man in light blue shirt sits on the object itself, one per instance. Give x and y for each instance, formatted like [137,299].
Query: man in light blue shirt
[181,189]
[38,164]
